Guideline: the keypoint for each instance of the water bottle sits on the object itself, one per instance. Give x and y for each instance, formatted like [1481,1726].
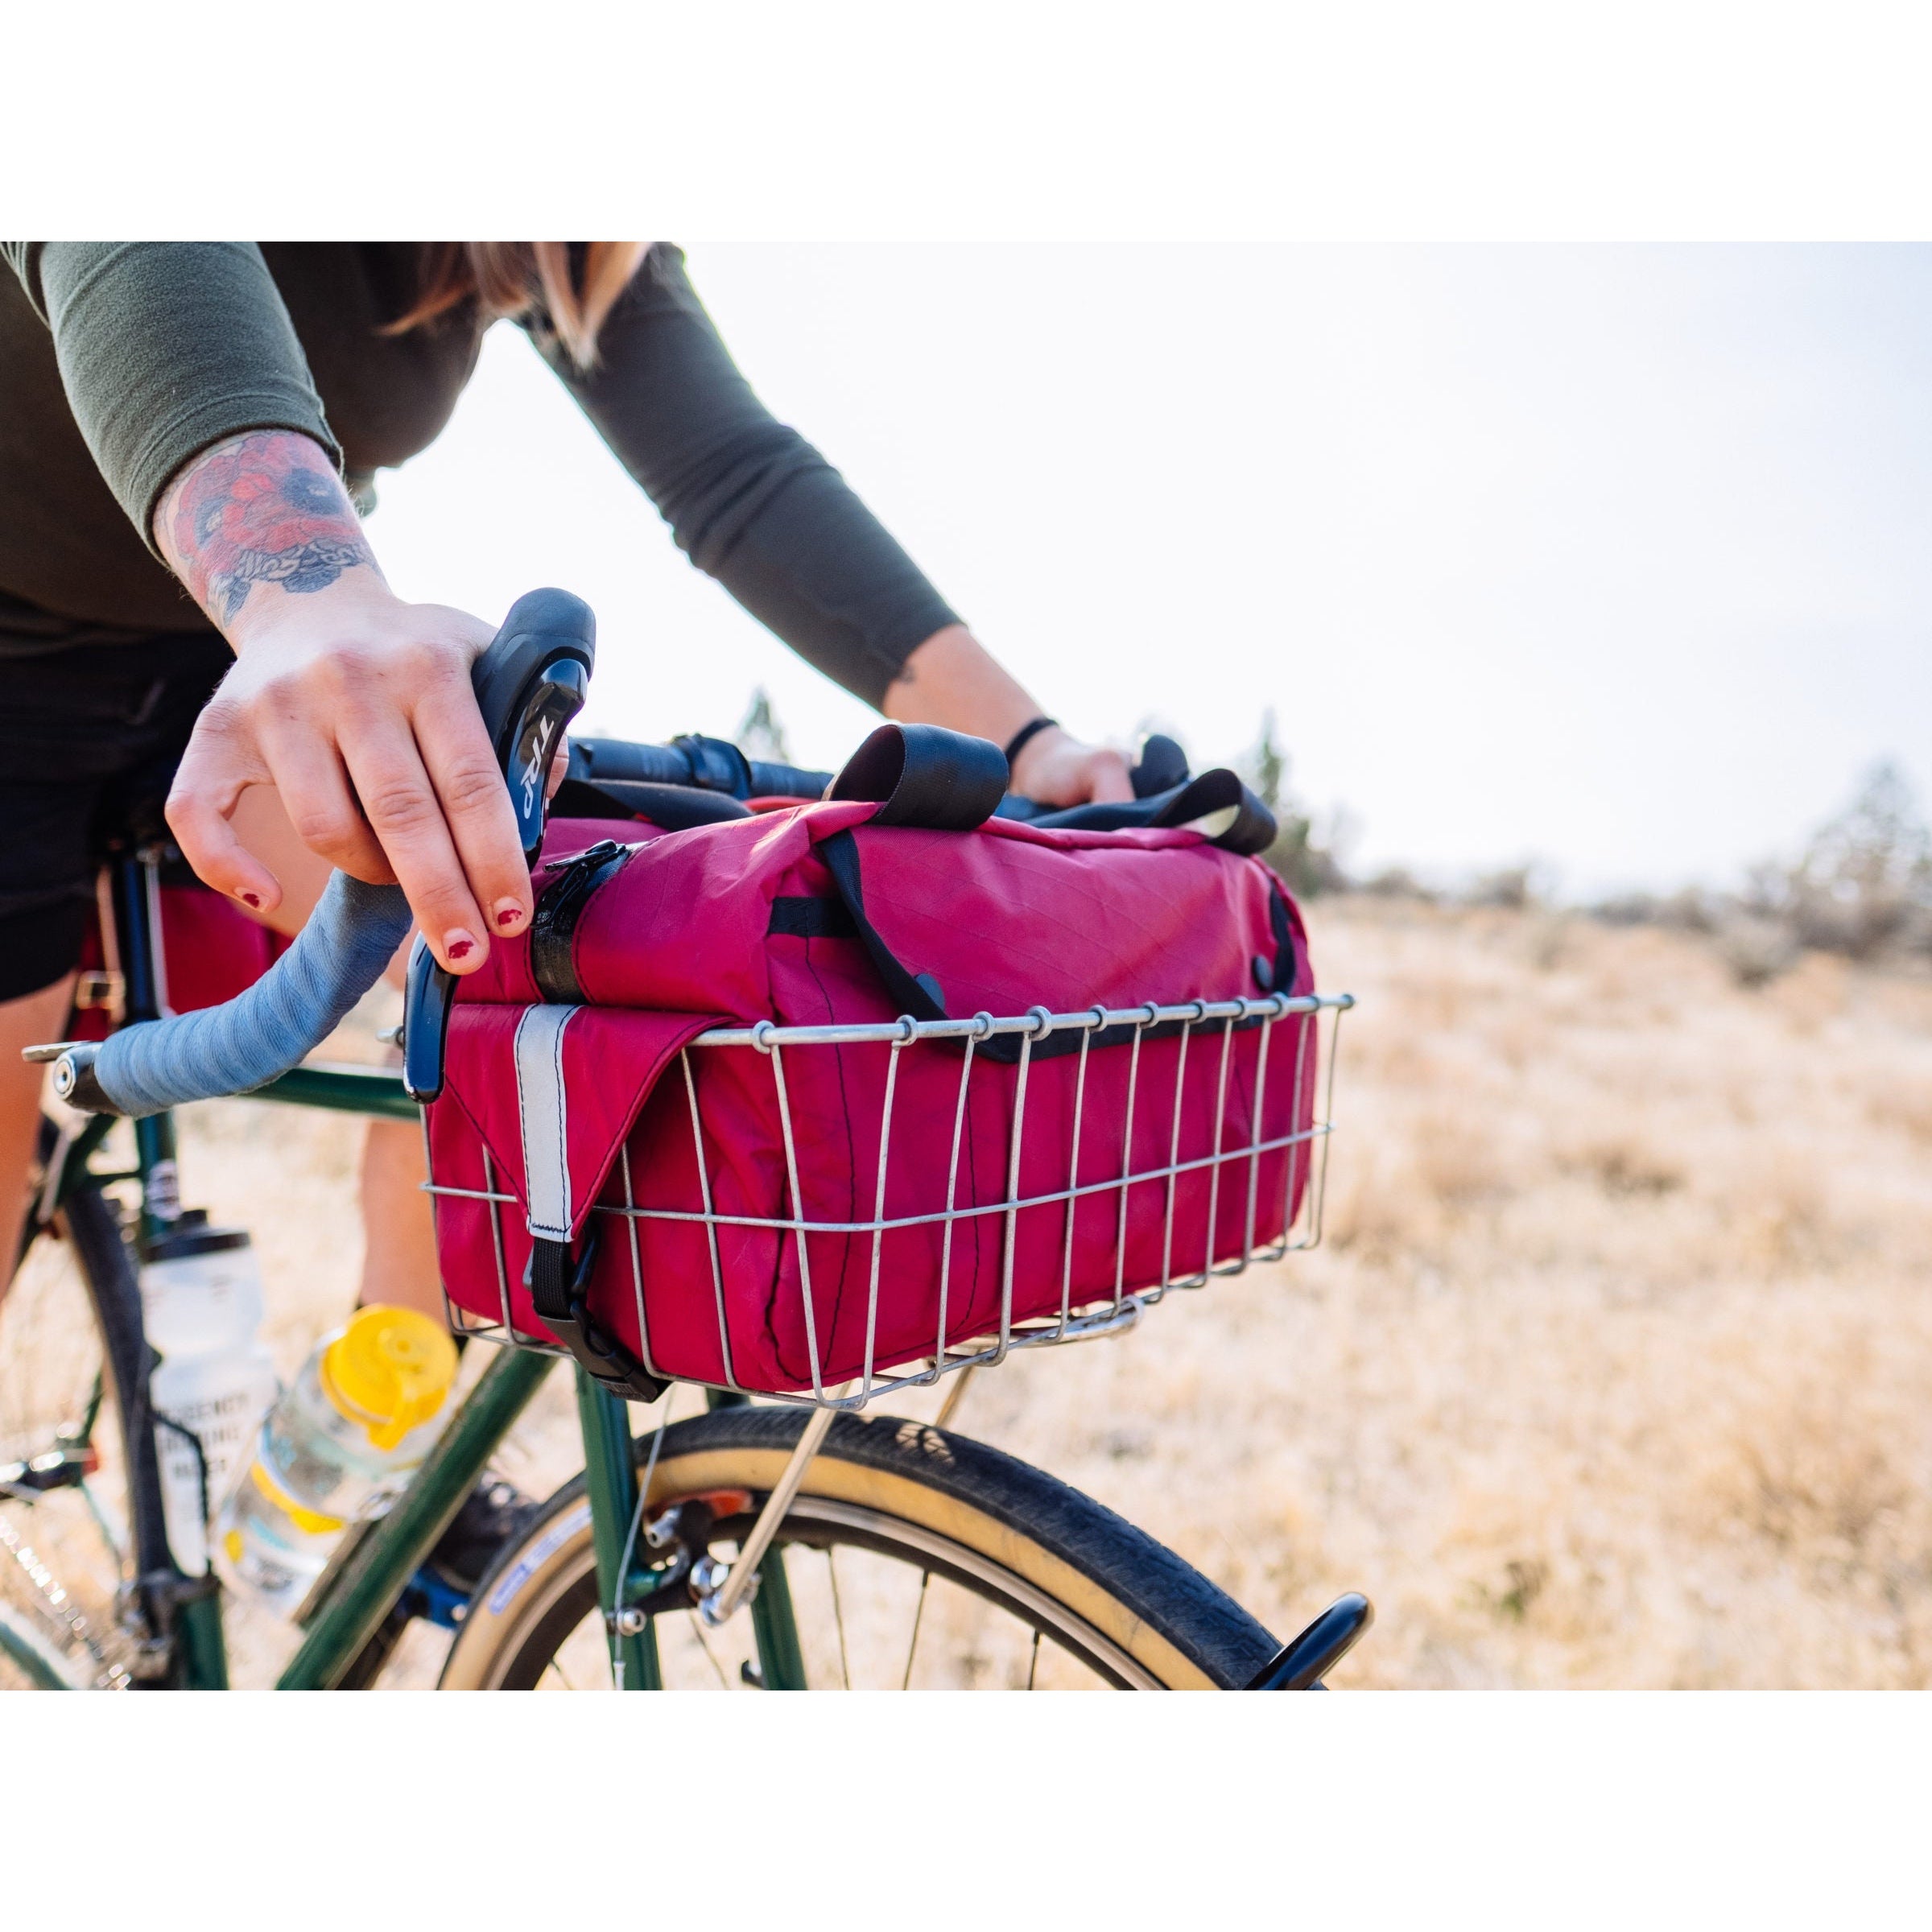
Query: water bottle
[201,1305]
[360,1415]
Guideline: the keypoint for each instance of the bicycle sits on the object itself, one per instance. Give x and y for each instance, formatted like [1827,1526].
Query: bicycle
[633,1573]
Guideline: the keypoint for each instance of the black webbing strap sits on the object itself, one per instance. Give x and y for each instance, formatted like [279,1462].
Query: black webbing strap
[925,775]
[917,993]
[1286,965]
[1251,830]
[670,808]
[558,1286]
[920,994]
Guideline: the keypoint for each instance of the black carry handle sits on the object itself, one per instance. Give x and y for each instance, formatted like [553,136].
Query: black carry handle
[720,770]
[920,773]
[1161,765]
[1247,826]
[924,775]
[529,682]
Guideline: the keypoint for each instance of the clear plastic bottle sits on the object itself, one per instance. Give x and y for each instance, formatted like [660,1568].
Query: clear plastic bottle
[201,1305]
[361,1414]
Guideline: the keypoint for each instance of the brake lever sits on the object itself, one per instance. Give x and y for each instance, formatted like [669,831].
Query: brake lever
[529,682]
[429,991]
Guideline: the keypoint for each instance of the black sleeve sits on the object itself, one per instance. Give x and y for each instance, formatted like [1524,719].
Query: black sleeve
[165,348]
[749,501]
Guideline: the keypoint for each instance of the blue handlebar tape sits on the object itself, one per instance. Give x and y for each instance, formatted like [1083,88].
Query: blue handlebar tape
[257,1037]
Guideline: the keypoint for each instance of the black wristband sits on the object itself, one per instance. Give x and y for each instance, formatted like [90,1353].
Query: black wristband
[1024,735]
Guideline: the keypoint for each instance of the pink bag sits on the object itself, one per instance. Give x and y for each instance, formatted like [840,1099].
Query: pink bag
[211,951]
[963,1183]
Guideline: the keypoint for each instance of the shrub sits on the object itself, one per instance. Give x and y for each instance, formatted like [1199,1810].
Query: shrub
[1864,882]
[1861,887]
[1306,862]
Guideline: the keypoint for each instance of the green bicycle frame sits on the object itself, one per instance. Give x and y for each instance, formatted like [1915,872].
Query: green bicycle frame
[375,1573]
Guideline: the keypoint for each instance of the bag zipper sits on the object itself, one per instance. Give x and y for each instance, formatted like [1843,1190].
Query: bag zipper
[560,905]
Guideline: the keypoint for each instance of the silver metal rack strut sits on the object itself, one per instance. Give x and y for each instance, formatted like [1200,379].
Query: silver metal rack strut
[717,1603]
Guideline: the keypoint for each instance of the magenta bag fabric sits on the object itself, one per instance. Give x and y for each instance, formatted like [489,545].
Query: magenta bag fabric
[814,916]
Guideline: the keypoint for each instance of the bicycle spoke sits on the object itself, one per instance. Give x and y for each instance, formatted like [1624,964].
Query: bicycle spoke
[881,1537]
[114,1539]
[918,1613]
[96,1396]
[838,1615]
[62,1550]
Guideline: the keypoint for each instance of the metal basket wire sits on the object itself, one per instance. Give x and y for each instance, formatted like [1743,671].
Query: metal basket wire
[1307,1162]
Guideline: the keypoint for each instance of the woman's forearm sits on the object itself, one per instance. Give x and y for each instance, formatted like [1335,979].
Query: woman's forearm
[264,508]
[355,705]
[952,679]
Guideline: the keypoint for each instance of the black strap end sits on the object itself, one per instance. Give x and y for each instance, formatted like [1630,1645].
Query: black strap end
[922,774]
[558,1290]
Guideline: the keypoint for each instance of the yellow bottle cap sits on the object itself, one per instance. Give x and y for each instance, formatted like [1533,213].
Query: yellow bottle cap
[389,1370]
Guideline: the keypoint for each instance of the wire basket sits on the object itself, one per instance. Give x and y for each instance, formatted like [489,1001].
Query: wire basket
[1082,1126]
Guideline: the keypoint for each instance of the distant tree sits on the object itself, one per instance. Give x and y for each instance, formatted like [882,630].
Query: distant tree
[760,735]
[1864,881]
[1308,864]
[1269,764]
[1879,847]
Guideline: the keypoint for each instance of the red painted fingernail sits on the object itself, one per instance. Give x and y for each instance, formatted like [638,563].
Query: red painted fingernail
[458,945]
[252,899]
[509,912]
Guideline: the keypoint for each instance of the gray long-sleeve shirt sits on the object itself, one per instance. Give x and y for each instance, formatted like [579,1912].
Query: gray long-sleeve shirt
[119,362]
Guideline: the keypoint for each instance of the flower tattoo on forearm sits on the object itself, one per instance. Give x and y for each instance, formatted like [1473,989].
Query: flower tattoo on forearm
[262,507]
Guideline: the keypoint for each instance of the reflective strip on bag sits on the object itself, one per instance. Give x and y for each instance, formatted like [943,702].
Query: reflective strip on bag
[541,1112]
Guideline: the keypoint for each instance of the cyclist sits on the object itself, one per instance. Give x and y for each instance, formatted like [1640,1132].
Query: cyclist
[205,421]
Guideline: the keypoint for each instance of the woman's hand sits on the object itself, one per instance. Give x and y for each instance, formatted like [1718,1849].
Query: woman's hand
[1054,767]
[952,679]
[355,705]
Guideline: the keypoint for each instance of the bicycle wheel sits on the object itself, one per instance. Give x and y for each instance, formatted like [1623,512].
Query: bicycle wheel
[71,1523]
[913,1559]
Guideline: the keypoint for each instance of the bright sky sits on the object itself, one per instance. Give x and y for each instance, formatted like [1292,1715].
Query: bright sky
[1613,557]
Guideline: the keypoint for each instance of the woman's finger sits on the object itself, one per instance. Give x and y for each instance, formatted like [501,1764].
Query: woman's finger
[475,800]
[1107,779]
[261,823]
[307,769]
[404,813]
[217,767]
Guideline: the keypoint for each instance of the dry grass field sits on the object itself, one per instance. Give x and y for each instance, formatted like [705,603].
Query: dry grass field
[1614,1369]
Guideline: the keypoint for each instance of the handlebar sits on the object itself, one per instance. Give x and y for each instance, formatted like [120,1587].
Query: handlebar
[695,763]
[529,683]
[715,764]
[694,780]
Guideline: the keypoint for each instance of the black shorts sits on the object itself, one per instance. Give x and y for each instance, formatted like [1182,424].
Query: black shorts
[90,739]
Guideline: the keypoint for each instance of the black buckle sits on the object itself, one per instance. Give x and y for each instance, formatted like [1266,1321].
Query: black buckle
[560,905]
[558,1291]
[715,764]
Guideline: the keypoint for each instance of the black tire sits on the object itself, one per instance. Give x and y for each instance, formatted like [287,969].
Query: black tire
[1132,1612]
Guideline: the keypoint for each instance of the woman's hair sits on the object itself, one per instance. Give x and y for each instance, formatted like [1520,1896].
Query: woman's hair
[576,283]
